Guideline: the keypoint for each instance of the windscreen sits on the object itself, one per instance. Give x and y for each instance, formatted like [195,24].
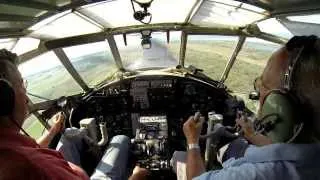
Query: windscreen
[161,54]
[94,62]
[210,53]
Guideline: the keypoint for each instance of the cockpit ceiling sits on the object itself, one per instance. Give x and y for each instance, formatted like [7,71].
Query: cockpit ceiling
[55,19]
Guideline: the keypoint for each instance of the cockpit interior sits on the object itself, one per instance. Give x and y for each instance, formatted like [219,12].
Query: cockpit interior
[142,68]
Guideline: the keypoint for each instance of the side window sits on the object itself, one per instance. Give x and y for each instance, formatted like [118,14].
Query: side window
[250,63]
[47,78]
[33,127]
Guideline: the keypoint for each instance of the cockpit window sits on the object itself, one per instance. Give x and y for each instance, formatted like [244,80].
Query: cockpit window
[94,62]
[47,78]
[33,127]
[210,53]
[160,55]
[249,64]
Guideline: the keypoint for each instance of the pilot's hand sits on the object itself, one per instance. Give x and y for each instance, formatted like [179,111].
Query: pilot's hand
[246,126]
[222,135]
[58,124]
[192,130]
[139,173]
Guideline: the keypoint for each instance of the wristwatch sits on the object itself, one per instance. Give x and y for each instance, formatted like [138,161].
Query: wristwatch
[193,146]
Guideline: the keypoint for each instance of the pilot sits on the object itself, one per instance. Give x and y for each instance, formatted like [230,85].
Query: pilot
[21,157]
[297,158]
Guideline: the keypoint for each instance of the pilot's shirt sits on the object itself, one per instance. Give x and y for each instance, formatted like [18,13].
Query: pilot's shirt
[22,158]
[271,162]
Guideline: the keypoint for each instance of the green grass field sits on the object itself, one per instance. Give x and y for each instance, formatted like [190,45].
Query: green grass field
[212,57]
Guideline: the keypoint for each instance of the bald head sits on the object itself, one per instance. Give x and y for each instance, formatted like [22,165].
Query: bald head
[274,71]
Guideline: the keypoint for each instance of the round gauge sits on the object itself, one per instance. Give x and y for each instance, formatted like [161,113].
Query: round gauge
[190,90]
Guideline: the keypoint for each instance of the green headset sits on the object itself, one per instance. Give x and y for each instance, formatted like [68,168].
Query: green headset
[281,114]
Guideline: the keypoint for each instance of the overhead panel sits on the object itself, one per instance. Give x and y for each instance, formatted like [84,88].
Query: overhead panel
[300,29]
[67,25]
[19,10]
[216,13]
[163,11]
[14,24]
[293,7]
[55,2]
[274,27]
[313,19]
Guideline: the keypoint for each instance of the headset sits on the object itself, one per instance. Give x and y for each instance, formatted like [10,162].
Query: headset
[7,98]
[7,101]
[281,114]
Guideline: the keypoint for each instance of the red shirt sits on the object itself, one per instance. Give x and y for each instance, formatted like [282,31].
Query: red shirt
[22,158]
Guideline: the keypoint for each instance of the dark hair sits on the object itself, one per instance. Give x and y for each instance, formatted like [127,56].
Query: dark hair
[306,76]
[7,58]
[6,55]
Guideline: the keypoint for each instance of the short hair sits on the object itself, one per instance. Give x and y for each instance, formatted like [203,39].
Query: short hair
[306,76]
[7,59]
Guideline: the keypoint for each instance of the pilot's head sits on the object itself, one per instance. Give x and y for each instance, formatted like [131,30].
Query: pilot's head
[305,78]
[9,72]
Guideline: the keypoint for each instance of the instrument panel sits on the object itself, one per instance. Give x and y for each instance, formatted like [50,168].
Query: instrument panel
[151,110]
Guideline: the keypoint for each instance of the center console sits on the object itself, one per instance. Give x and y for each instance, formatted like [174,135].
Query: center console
[151,143]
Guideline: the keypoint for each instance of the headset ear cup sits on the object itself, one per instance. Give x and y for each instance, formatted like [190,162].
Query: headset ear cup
[278,107]
[7,98]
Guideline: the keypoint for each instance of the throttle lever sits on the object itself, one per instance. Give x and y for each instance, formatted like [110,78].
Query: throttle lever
[197,116]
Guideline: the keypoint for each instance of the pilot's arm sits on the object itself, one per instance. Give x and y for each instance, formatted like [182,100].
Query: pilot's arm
[56,128]
[195,164]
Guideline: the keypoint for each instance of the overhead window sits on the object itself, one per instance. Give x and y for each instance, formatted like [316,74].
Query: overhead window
[274,27]
[221,13]
[23,11]
[210,53]
[47,78]
[25,44]
[65,25]
[94,61]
